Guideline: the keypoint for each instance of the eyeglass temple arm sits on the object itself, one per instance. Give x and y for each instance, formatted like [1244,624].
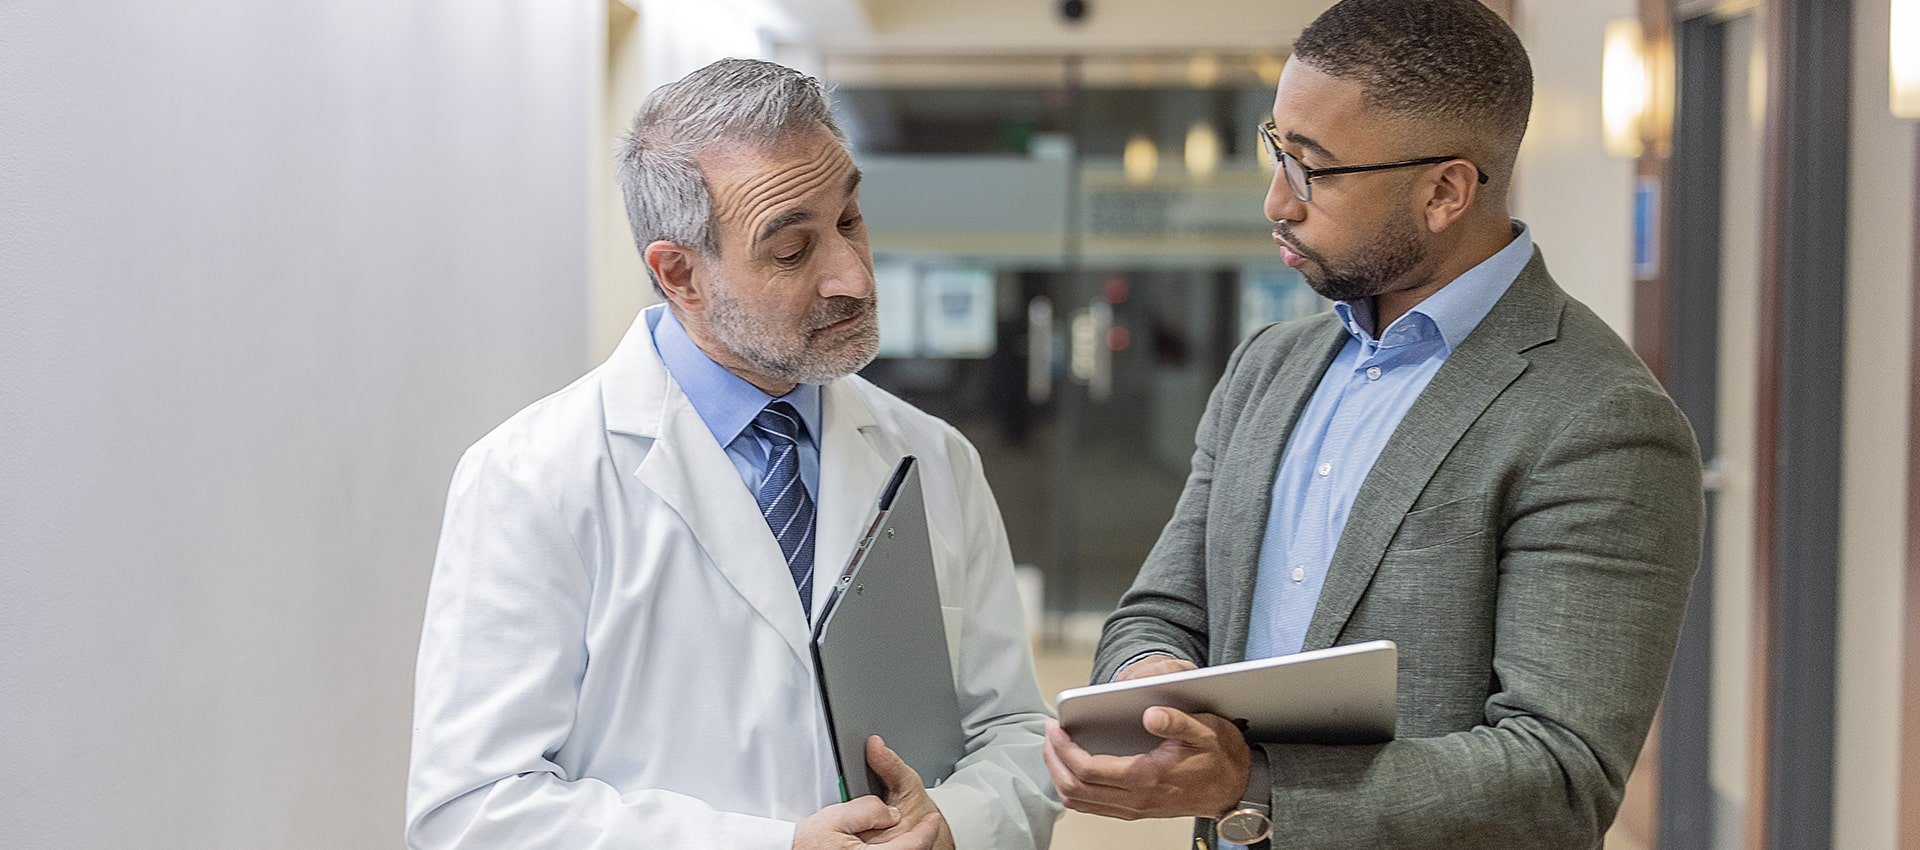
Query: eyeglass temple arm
[1380,166]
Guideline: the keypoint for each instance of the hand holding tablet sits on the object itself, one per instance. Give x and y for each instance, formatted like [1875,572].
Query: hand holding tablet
[1338,695]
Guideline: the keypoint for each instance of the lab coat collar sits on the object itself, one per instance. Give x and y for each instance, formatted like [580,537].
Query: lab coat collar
[683,467]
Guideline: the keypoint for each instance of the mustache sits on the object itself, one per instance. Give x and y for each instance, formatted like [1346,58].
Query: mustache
[840,308]
[1283,231]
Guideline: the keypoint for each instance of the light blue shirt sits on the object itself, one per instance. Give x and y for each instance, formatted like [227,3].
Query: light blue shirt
[1357,406]
[727,403]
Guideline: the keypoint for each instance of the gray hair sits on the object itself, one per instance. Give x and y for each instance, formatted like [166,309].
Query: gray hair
[732,101]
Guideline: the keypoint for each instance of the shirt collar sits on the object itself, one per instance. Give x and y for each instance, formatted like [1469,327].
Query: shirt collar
[726,402]
[1459,306]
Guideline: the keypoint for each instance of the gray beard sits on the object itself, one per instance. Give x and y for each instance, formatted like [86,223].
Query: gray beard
[787,353]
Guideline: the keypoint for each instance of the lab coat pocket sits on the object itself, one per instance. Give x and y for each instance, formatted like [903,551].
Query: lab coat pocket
[951,618]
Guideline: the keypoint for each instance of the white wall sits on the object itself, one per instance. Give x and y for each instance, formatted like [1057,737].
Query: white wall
[620,286]
[1880,245]
[1577,199]
[265,270]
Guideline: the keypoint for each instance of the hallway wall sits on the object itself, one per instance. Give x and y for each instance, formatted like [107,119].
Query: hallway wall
[1881,234]
[265,270]
[1577,199]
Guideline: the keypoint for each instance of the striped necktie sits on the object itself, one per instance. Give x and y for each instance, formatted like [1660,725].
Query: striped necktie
[783,498]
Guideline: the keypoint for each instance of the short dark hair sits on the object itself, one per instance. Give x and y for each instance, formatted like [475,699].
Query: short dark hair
[1447,63]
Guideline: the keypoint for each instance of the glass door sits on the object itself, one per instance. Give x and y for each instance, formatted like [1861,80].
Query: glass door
[1068,250]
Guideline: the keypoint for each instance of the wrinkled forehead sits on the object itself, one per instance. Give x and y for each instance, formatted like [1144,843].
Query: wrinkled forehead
[751,184]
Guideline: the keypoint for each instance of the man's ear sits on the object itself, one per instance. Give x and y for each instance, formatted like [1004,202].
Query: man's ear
[672,265]
[1452,190]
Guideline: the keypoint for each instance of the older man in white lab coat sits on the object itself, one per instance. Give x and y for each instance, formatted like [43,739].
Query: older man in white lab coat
[615,651]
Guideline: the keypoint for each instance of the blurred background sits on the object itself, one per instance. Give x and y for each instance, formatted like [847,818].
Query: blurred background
[267,269]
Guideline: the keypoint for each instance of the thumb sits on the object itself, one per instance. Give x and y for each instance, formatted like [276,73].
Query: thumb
[900,777]
[1175,725]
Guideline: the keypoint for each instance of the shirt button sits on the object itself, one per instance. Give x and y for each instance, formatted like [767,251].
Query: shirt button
[1373,373]
[1299,573]
[1325,469]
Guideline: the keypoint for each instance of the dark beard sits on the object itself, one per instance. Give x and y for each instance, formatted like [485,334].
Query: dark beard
[1371,271]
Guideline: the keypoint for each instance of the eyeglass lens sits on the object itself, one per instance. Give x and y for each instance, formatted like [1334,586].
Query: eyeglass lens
[1295,172]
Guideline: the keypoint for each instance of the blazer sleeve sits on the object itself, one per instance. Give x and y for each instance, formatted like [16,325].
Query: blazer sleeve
[999,795]
[1597,556]
[501,655]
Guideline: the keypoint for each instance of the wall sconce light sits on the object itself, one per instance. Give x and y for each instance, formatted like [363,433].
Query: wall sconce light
[1903,57]
[1140,159]
[1203,71]
[1203,150]
[1623,88]
[1269,68]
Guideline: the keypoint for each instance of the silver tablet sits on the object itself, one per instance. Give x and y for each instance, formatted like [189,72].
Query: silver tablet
[880,647]
[1339,695]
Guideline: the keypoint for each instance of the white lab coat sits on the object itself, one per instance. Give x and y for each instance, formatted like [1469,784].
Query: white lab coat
[613,656]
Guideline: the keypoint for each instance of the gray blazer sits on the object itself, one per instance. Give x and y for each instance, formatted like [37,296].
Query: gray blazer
[1528,537]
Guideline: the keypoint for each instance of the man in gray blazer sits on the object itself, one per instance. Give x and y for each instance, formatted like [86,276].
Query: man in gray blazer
[1459,458]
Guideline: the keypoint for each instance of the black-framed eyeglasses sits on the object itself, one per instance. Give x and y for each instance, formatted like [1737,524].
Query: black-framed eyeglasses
[1300,177]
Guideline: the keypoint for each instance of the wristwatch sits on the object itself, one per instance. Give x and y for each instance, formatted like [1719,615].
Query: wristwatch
[1251,821]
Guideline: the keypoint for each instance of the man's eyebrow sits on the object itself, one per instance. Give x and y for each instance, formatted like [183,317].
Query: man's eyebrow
[1309,143]
[782,222]
[800,216]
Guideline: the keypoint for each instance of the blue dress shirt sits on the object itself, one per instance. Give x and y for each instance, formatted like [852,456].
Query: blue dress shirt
[727,403]
[1357,406]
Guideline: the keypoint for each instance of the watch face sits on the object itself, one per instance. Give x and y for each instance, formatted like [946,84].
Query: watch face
[1245,826]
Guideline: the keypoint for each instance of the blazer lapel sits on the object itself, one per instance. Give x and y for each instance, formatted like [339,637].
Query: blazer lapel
[689,471]
[1249,465]
[1484,365]
[852,471]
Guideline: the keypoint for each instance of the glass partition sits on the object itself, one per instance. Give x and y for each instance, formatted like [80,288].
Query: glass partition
[1068,248]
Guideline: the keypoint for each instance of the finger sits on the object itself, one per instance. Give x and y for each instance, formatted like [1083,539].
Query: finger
[894,771]
[1087,769]
[1176,725]
[863,814]
[1072,789]
[882,836]
[1162,670]
[1154,665]
[1064,781]
[922,837]
[1118,800]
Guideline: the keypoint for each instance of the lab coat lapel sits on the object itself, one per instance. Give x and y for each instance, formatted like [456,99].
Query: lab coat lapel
[689,471]
[853,468]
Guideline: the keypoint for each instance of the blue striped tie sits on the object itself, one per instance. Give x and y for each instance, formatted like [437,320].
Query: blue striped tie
[783,498]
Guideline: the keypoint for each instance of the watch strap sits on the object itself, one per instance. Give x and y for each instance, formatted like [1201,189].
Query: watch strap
[1259,793]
